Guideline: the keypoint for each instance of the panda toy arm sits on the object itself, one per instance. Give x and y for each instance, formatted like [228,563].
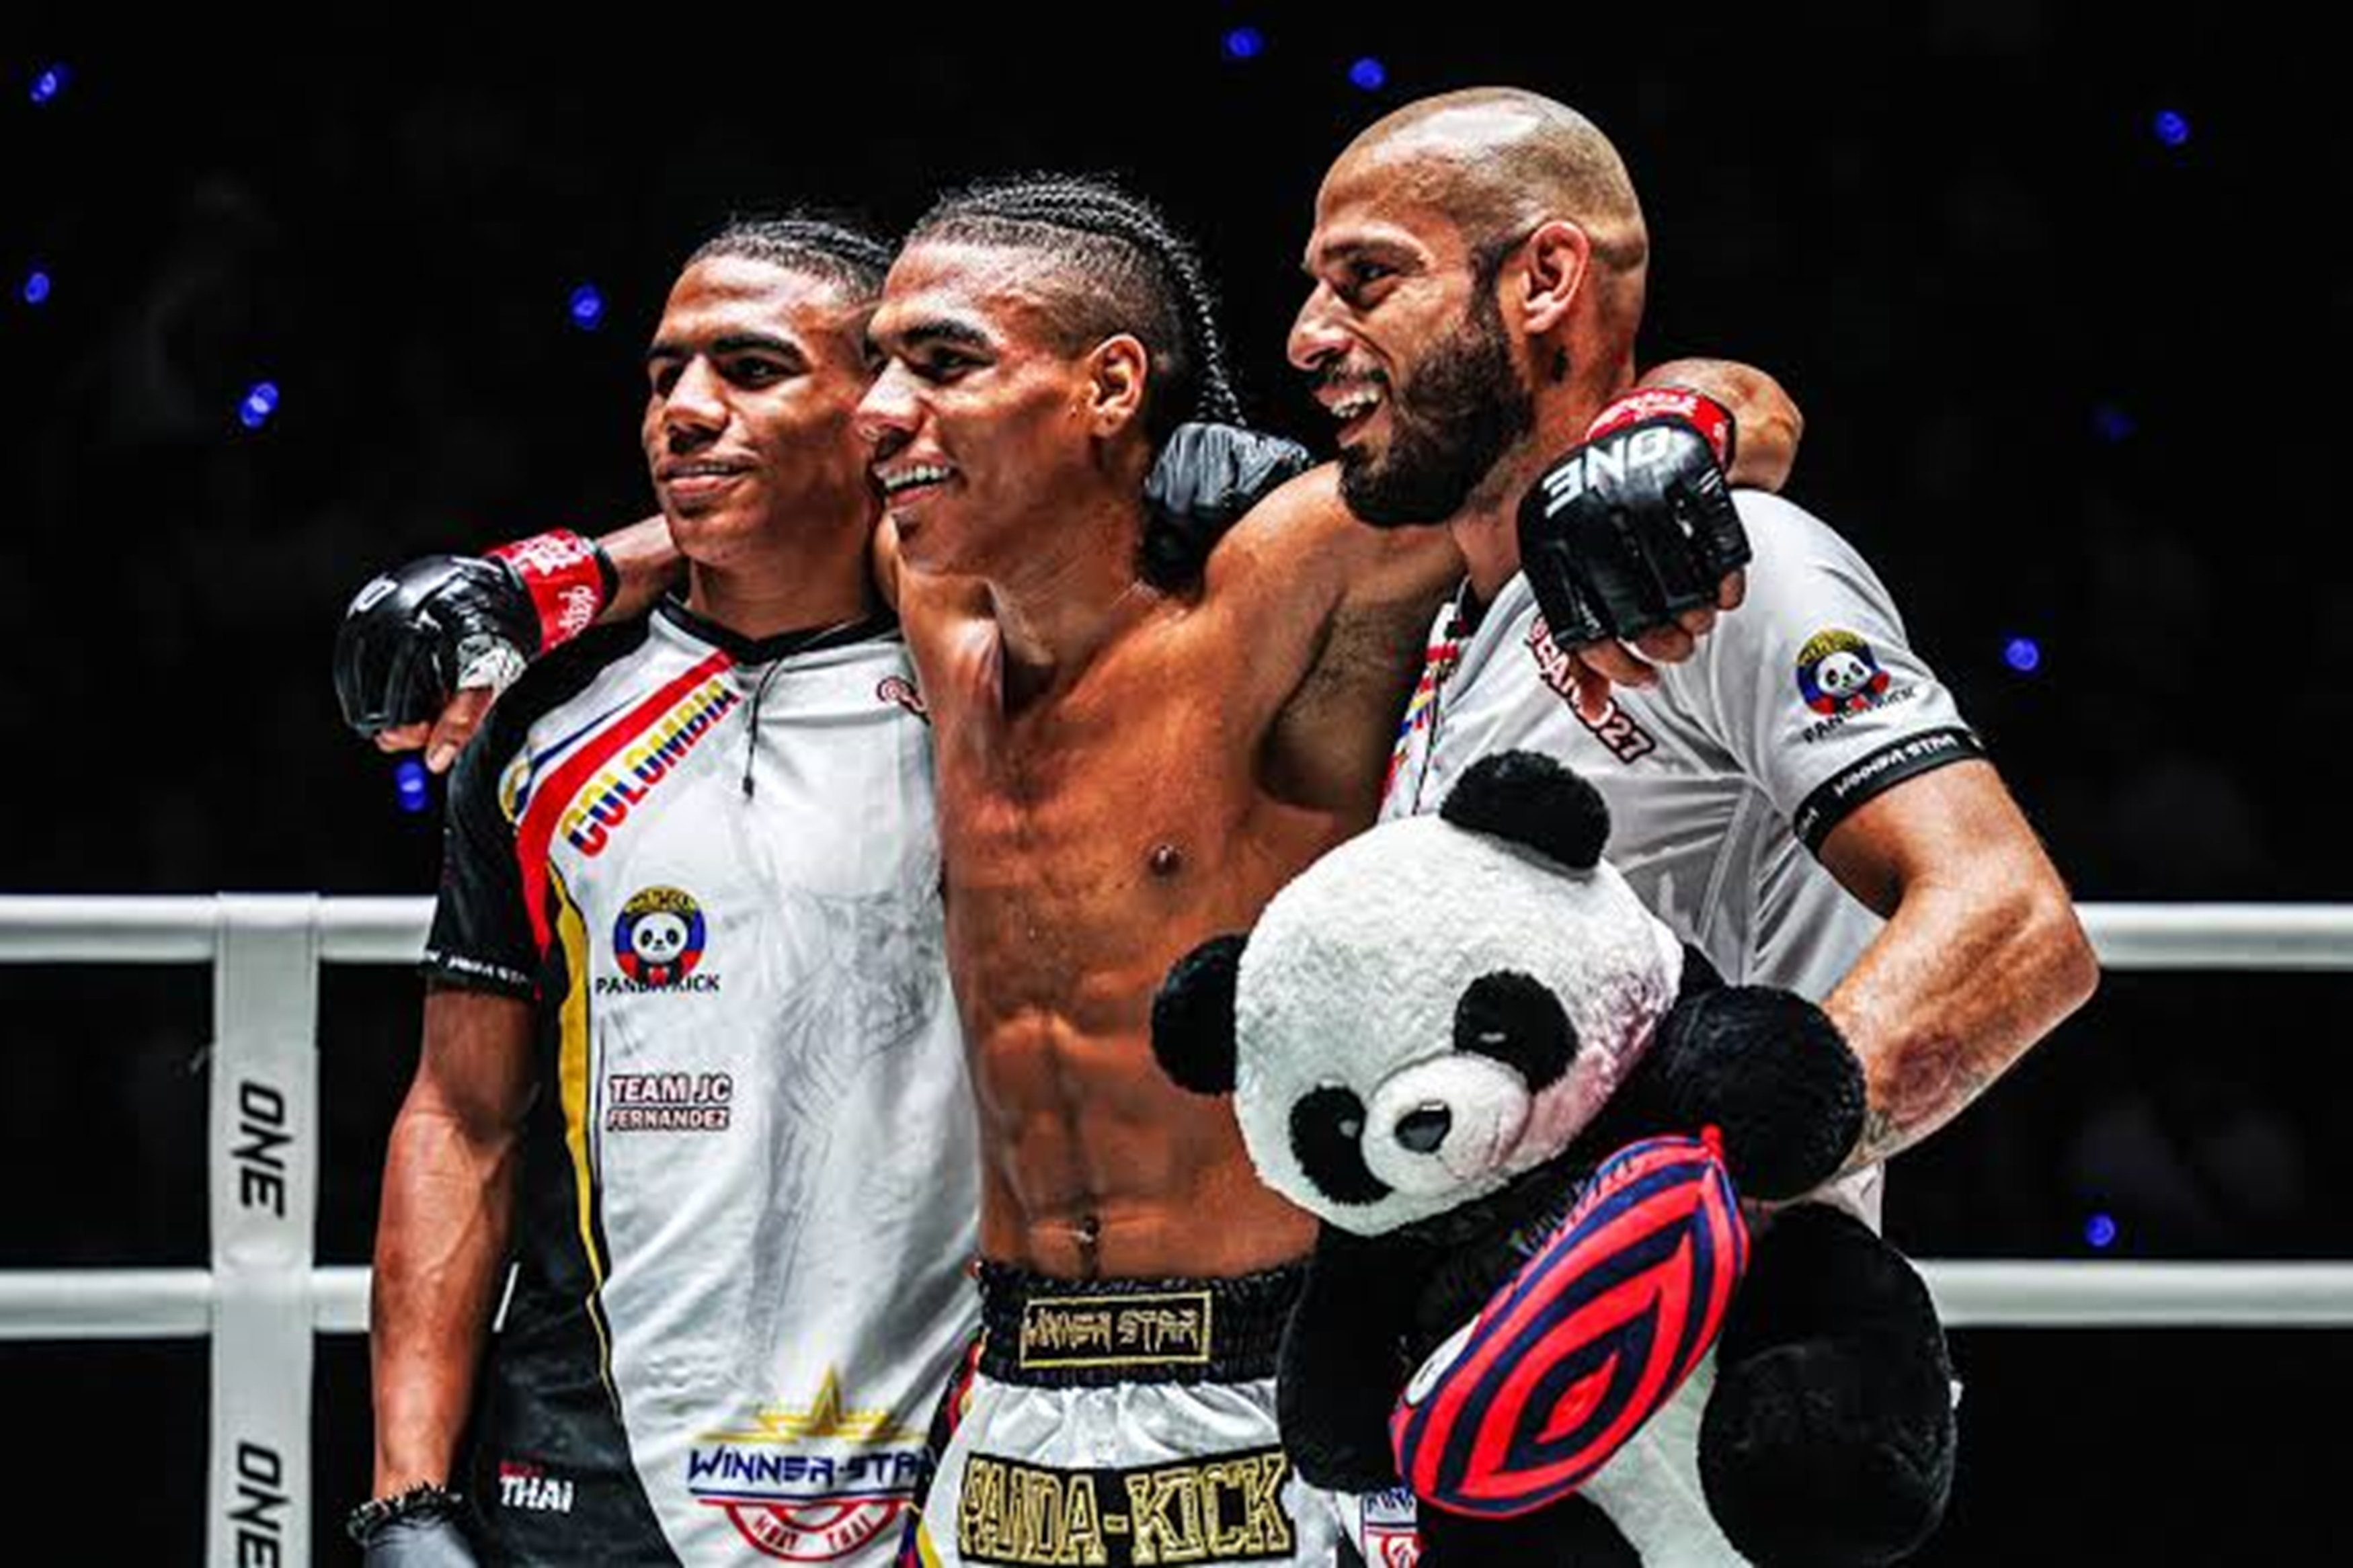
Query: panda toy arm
[1768,1070]
[1341,1359]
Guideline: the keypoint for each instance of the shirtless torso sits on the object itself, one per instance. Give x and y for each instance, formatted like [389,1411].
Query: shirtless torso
[1100,823]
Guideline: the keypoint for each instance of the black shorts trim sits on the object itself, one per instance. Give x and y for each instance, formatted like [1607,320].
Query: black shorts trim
[1090,1334]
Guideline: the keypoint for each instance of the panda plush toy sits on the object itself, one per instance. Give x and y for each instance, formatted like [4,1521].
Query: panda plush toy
[1524,1115]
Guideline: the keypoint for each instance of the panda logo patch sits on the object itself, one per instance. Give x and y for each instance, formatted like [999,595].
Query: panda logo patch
[1837,673]
[659,938]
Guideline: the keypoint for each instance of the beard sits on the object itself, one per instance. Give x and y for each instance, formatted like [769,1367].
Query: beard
[1449,425]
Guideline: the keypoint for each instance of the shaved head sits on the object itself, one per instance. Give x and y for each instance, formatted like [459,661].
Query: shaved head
[1499,162]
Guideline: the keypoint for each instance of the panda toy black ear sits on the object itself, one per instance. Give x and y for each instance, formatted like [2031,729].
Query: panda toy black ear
[1770,1071]
[1530,799]
[1193,1016]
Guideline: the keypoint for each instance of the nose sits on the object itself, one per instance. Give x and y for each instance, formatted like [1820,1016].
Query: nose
[887,414]
[1424,1127]
[1316,333]
[693,413]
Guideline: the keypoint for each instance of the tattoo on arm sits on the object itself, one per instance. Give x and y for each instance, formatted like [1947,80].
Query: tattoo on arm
[1927,1087]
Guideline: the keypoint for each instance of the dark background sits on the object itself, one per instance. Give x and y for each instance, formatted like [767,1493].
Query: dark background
[2063,381]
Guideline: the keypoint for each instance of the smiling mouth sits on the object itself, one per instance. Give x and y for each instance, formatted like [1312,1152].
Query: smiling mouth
[1355,410]
[688,481]
[904,483]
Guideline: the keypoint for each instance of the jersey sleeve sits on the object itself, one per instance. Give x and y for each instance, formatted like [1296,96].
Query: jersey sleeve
[1813,684]
[481,937]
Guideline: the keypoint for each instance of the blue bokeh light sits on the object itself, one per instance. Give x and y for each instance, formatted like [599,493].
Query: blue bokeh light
[1369,74]
[2171,128]
[51,83]
[588,307]
[410,780]
[36,287]
[258,405]
[1245,44]
[2023,654]
[2100,1232]
[2112,422]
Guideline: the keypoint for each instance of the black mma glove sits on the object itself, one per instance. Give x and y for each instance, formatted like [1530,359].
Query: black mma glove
[418,1529]
[1636,525]
[1206,477]
[417,635]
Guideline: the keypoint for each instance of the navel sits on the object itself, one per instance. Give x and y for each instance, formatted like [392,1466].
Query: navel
[1166,859]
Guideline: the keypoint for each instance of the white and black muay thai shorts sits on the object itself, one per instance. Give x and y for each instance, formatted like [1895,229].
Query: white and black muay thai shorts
[1132,1422]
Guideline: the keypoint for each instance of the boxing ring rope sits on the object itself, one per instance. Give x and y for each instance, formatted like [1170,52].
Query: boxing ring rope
[264,1296]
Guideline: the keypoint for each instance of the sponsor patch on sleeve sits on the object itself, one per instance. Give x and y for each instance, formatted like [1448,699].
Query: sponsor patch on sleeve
[475,973]
[1838,673]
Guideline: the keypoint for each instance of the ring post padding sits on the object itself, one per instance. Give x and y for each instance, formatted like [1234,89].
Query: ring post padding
[264,1159]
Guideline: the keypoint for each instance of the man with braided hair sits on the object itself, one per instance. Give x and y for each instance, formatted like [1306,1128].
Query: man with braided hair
[690,1060]
[1144,723]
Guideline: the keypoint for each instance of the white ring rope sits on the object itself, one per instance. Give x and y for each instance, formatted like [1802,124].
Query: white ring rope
[152,1303]
[186,929]
[71,929]
[177,1303]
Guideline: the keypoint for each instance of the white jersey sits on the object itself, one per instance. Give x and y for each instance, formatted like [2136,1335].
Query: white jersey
[749,1193]
[1721,780]
[1724,778]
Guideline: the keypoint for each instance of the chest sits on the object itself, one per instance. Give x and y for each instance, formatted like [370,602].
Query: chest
[1145,762]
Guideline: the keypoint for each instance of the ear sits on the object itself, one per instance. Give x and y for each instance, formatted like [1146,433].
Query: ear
[1559,255]
[1193,1017]
[1116,372]
[1528,799]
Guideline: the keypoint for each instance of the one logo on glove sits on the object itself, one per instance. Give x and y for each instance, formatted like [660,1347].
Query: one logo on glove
[489,662]
[1607,464]
[1838,674]
[659,938]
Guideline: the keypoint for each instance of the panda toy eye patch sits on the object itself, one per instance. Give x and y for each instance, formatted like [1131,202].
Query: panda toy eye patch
[1516,1019]
[1327,1130]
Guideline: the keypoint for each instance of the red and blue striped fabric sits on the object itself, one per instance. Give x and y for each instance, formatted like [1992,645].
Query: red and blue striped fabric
[1595,1333]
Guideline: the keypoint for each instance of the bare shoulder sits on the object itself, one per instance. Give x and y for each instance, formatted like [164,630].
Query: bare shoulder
[1292,527]
[1336,613]
[1302,542]
[939,616]
[931,601]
